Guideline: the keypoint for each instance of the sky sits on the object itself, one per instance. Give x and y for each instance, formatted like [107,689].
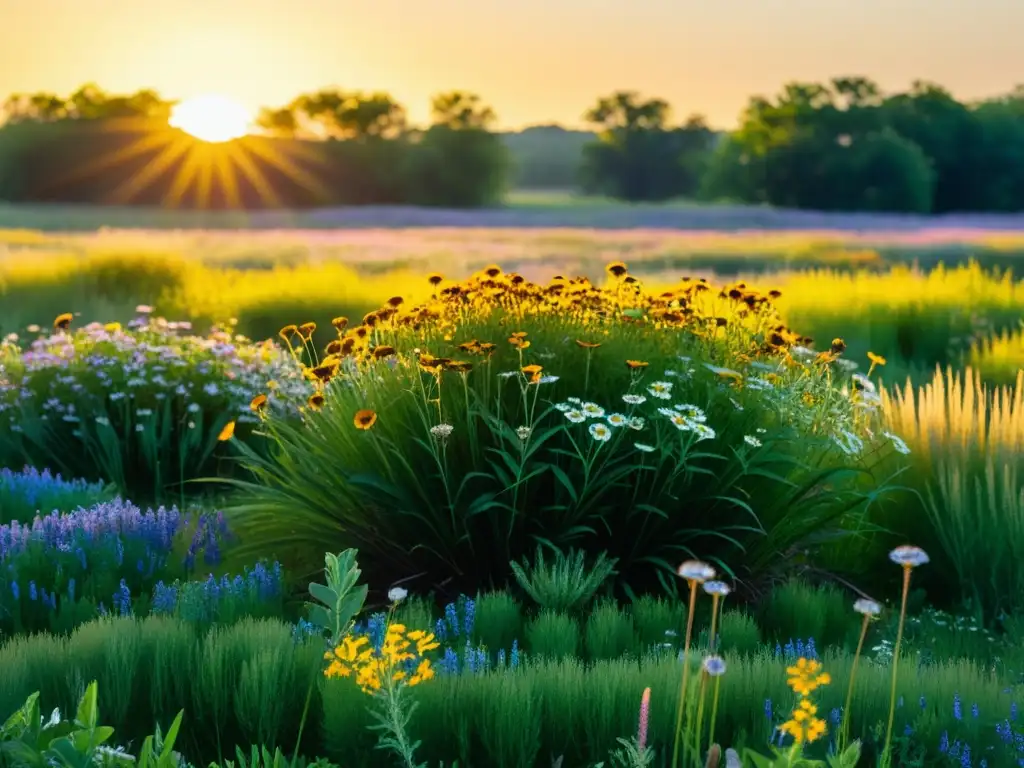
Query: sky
[534,61]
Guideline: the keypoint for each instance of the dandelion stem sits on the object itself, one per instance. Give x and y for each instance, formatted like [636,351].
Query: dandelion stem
[886,756]
[714,713]
[686,672]
[700,714]
[845,727]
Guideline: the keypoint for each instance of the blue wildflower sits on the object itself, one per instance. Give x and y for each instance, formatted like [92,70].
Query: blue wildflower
[957,708]
[944,742]
[452,617]
[469,616]
[15,591]
[71,590]
[514,656]
[32,594]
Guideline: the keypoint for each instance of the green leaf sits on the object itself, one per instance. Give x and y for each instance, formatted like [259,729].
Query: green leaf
[88,712]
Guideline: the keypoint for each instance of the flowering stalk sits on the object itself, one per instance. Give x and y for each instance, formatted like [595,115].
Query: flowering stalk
[695,572]
[908,557]
[700,713]
[869,608]
[645,714]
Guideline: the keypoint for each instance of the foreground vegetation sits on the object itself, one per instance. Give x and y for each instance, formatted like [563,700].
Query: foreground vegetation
[532,461]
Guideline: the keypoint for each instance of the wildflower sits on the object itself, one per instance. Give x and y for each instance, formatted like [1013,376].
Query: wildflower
[593,410]
[63,321]
[636,423]
[531,370]
[635,365]
[258,403]
[691,412]
[600,432]
[617,419]
[576,416]
[616,268]
[867,607]
[644,448]
[442,431]
[435,278]
[806,676]
[876,359]
[719,588]
[714,666]
[752,441]
[563,407]
[364,419]
[228,432]
[862,383]
[383,351]
[703,432]
[680,422]
[696,571]
[645,713]
[316,401]
[523,433]
[306,330]
[838,346]
[397,594]
[587,344]
[339,323]
[634,399]
[661,390]
[898,443]
[908,556]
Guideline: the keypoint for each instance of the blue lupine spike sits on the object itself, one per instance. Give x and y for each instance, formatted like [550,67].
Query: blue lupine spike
[778,650]
[452,617]
[974,710]
[501,658]
[15,591]
[922,702]
[514,660]
[441,630]
[957,707]
[32,594]
[469,616]
[768,710]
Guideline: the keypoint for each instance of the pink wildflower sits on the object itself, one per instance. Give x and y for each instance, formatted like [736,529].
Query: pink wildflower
[645,713]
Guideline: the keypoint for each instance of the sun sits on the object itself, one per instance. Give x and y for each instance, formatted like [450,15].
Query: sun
[211,118]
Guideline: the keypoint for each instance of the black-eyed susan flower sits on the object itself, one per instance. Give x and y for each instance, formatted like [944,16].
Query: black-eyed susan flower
[63,321]
[838,346]
[316,401]
[306,330]
[532,370]
[587,344]
[334,348]
[492,271]
[258,403]
[364,419]
[228,432]
[396,301]
[459,366]
[435,278]
[382,351]
[340,323]
[616,269]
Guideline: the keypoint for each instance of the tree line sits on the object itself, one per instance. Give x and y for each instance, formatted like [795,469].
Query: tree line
[840,145]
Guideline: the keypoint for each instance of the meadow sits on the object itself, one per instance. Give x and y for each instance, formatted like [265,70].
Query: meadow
[518,496]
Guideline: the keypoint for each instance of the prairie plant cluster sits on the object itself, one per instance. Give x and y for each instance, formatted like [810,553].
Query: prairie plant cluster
[521,466]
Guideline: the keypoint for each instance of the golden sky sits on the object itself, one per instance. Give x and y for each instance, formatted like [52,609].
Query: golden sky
[533,60]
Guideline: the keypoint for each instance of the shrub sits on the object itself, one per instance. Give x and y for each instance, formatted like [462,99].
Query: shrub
[565,585]
[438,447]
[141,407]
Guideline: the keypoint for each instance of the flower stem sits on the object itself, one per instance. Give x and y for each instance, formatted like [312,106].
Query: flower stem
[714,713]
[700,714]
[686,673]
[886,757]
[845,727]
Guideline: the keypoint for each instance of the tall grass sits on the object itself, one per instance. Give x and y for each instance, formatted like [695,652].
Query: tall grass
[967,464]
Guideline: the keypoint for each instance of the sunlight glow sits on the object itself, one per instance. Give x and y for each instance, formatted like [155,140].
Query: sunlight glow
[211,118]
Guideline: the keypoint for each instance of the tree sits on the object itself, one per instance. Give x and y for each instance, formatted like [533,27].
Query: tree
[458,162]
[352,115]
[637,155]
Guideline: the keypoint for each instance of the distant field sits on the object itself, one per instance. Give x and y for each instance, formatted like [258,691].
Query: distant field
[531,210]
